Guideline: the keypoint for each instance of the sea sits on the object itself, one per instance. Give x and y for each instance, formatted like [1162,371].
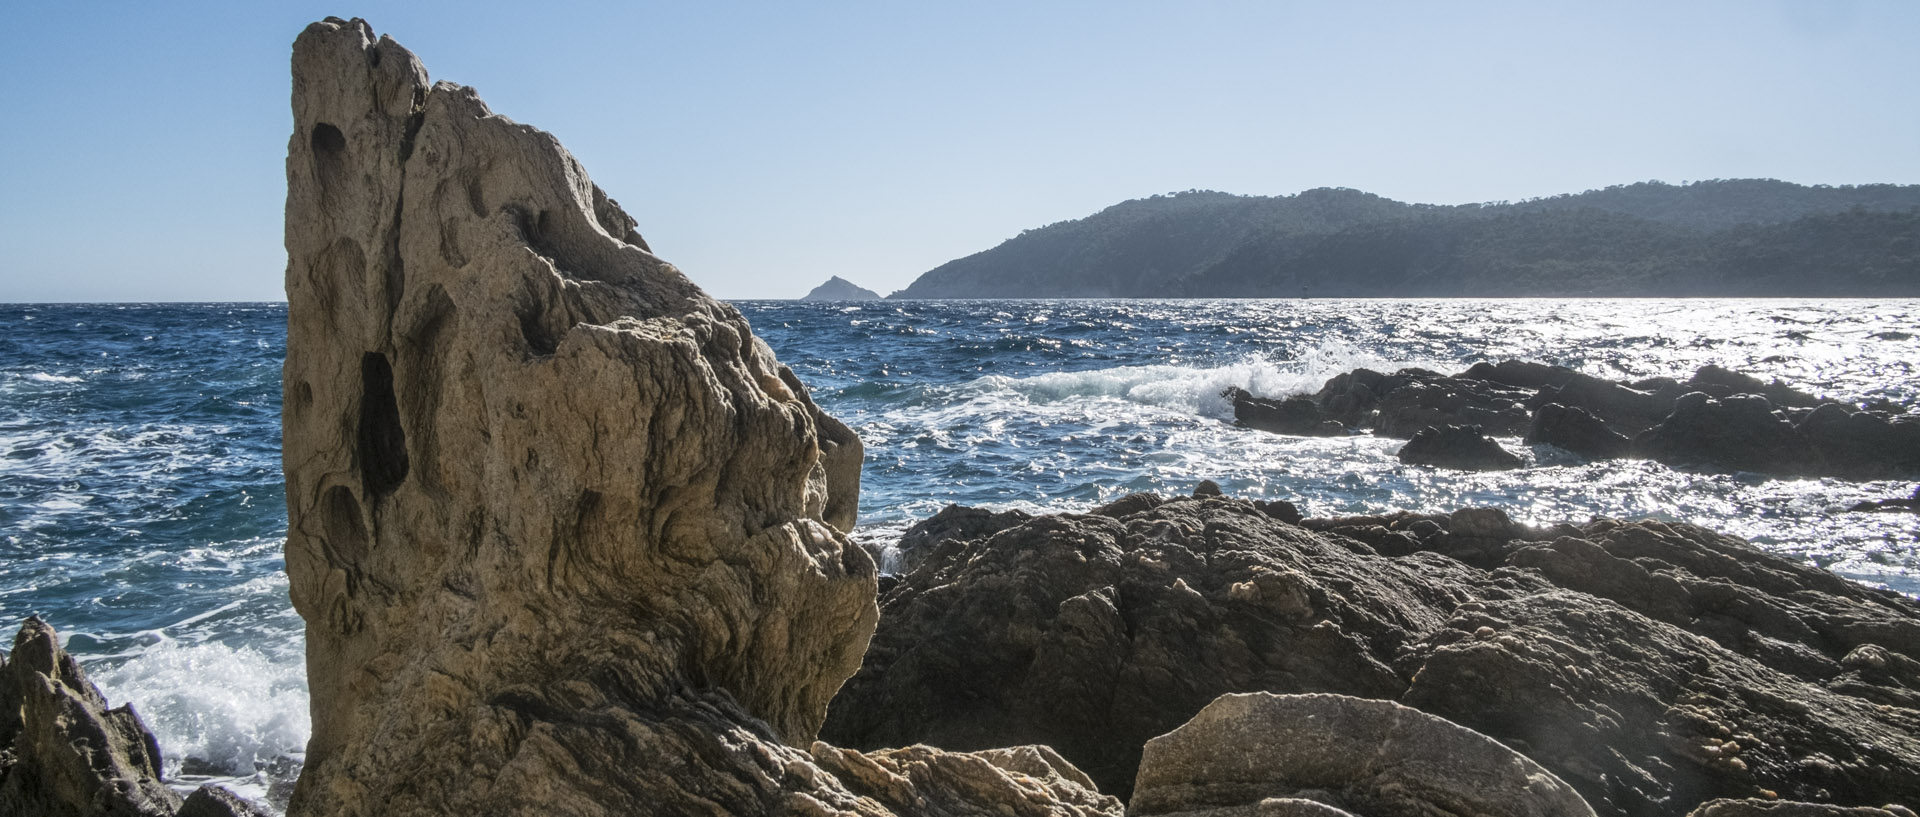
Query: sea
[142,511]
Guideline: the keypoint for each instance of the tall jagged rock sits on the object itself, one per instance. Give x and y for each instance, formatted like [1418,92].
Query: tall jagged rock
[63,751]
[566,536]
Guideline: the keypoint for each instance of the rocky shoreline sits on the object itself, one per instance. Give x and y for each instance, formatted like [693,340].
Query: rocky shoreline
[1717,420]
[568,539]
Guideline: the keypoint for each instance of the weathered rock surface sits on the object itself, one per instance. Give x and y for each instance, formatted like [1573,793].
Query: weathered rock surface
[840,289]
[63,751]
[1651,666]
[1790,808]
[1461,447]
[566,536]
[954,523]
[1357,755]
[1736,421]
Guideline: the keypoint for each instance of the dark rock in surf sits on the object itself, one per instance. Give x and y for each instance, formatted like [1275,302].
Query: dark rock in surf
[1519,374]
[1720,382]
[1862,444]
[1297,415]
[1461,447]
[1741,433]
[1578,431]
[1622,407]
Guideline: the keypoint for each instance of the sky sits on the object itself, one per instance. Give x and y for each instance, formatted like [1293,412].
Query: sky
[764,147]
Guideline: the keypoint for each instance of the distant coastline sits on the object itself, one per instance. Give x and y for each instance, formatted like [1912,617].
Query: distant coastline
[1721,238]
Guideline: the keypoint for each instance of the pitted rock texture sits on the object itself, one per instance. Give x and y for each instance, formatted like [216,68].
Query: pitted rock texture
[1356,755]
[63,751]
[1651,666]
[566,536]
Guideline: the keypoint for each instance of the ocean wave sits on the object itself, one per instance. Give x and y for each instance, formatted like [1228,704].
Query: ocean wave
[214,708]
[44,377]
[1197,389]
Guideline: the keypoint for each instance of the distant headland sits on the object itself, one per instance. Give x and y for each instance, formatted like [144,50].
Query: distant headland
[840,289]
[1720,238]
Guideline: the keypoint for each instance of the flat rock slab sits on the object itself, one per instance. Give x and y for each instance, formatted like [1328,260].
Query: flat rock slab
[1365,757]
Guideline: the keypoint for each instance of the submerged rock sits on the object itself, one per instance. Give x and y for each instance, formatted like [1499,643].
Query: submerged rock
[1355,755]
[1461,447]
[63,751]
[566,536]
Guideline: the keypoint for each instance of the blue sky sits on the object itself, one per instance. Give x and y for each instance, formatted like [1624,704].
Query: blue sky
[766,146]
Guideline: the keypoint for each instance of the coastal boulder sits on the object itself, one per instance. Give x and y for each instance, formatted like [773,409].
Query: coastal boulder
[1578,431]
[1742,432]
[63,751]
[1093,634]
[1297,415]
[566,536]
[1461,447]
[1356,755]
[1651,666]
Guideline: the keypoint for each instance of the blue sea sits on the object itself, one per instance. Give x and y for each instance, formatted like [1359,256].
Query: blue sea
[142,514]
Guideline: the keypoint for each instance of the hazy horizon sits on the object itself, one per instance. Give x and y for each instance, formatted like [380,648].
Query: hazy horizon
[765,149]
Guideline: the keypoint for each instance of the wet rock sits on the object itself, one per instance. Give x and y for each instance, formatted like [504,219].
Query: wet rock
[1519,374]
[1722,382]
[1741,433]
[1860,444]
[1425,399]
[1296,415]
[1578,431]
[63,751]
[1207,487]
[1623,408]
[1461,447]
[566,536]
[1355,755]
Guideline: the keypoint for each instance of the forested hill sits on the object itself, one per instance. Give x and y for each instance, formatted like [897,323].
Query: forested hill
[1739,237]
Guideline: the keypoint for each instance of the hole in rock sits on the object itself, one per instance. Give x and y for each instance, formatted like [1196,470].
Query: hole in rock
[382,445]
[340,518]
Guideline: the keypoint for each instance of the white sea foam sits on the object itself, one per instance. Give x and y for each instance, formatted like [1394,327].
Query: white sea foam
[43,377]
[236,710]
[1197,389]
